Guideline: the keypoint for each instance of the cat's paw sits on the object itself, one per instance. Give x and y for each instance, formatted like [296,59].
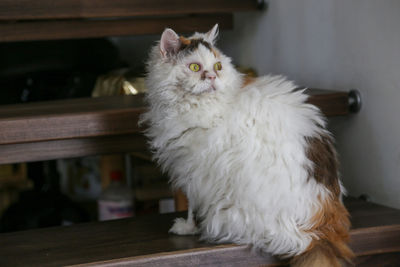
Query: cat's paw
[184,227]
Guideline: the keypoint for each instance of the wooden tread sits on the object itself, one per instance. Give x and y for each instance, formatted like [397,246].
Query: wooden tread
[90,126]
[22,20]
[144,241]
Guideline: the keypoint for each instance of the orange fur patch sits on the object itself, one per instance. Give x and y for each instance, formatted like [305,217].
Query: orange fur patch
[319,256]
[331,224]
[248,80]
[184,40]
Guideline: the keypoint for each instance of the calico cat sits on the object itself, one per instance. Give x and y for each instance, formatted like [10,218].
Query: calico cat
[256,162]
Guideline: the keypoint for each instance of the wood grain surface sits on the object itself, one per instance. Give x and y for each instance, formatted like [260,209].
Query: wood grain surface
[90,126]
[88,117]
[68,29]
[73,118]
[73,9]
[144,241]
[72,148]
[331,103]
[379,260]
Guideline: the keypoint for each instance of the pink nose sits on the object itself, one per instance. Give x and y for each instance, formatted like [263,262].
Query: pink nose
[210,76]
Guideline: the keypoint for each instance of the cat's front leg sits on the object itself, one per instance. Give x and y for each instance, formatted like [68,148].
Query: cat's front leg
[185,227]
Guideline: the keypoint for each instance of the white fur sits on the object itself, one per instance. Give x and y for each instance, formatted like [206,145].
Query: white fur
[185,227]
[238,153]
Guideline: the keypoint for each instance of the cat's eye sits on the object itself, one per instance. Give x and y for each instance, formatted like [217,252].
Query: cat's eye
[194,67]
[217,66]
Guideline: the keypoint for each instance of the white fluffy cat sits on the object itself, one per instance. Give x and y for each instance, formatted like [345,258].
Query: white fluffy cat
[255,161]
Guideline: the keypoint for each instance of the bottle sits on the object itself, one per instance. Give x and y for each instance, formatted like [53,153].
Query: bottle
[116,201]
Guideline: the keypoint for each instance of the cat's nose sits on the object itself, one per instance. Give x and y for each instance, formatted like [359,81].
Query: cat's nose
[210,76]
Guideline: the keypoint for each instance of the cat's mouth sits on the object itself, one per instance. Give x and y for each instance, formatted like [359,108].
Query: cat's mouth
[203,88]
[207,90]
[211,89]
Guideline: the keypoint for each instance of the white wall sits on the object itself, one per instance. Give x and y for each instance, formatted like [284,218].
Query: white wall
[337,44]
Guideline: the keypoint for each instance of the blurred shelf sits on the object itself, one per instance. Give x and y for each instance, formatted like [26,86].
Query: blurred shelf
[22,20]
[83,9]
[144,241]
[154,191]
[72,29]
[89,126]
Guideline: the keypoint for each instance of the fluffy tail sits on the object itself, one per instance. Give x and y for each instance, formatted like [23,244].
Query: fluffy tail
[331,225]
[323,254]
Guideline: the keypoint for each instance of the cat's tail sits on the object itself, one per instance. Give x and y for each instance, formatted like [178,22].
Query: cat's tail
[324,254]
[330,249]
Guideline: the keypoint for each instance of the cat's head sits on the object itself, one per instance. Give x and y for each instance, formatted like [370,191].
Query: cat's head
[193,65]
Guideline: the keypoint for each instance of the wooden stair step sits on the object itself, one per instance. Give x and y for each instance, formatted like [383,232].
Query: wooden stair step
[84,9]
[28,20]
[78,28]
[89,126]
[145,241]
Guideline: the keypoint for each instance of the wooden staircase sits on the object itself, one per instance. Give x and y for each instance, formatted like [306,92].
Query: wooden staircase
[89,126]
[80,127]
[144,241]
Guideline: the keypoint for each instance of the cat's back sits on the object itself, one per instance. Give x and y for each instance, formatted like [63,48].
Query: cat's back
[275,102]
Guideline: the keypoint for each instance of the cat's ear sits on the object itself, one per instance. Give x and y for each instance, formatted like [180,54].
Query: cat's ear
[169,43]
[212,35]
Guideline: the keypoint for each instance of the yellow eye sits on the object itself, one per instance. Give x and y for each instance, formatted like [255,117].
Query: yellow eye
[194,67]
[217,66]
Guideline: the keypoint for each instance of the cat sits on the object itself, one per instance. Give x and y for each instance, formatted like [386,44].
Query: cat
[256,162]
